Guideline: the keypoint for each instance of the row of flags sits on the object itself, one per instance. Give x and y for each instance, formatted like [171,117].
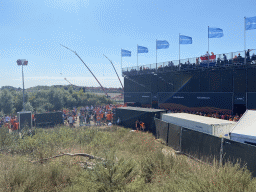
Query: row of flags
[250,23]
[163,44]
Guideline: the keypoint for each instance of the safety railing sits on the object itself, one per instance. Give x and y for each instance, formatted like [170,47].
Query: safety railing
[213,60]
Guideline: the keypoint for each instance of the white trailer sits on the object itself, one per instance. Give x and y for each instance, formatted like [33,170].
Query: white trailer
[209,125]
[245,130]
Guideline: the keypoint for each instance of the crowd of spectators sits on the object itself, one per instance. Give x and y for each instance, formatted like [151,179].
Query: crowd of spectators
[90,115]
[9,121]
[218,115]
[203,61]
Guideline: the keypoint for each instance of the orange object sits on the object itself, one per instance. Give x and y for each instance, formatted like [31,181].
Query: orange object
[109,117]
[12,121]
[16,126]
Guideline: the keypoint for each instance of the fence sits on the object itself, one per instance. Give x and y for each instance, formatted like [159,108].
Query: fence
[225,59]
[206,147]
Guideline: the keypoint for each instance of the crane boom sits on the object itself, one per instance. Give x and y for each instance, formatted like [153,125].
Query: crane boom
[87,68]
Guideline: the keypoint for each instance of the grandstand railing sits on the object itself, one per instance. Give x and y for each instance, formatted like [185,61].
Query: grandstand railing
[217,60]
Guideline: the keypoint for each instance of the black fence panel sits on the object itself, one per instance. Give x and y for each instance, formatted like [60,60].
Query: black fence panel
[251,80]
[174,136]
[239,80]
[161,130]
[226,80]
[48,119]
[25,119]
[200,145]
[251,102]
[140,97]
[129,115]
[245,153]
[215,81]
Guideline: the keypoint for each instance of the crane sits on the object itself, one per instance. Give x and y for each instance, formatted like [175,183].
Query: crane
[88,69]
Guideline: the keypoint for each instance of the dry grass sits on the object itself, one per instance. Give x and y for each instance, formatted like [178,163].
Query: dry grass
[134,162]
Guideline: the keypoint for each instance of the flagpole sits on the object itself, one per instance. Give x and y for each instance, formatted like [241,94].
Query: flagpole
[121,61]
[137,56]
[208,48]
[156,54]
[244,42]
[208,39]
[179,49]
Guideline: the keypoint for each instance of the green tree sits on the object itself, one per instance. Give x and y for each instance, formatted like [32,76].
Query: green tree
[28,107]
[6,101]
[57,100]
[18,100]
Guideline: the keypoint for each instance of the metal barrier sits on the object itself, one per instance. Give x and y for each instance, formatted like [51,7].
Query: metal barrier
[162,130]
[207,147]
[174,137]
[245,153]
[200,145]
[215,60]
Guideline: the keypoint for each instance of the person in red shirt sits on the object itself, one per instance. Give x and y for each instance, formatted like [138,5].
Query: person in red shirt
[109,117]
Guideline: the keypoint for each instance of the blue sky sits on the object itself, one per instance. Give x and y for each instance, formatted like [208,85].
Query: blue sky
[34,30]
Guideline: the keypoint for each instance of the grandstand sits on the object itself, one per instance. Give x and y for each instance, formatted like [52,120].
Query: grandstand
[220,83]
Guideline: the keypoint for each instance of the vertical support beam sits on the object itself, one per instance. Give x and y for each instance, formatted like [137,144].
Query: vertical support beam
[156,54]
[181,129]
[221,151]
[244,42]
[23,88]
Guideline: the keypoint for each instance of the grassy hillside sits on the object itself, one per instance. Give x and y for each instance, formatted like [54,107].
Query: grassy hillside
[132,162]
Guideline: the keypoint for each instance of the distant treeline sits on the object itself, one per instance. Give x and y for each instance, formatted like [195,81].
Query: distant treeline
[54,98]
[66,87]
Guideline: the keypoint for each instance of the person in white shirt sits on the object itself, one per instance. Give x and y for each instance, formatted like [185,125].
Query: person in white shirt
[70,120]
[7,119]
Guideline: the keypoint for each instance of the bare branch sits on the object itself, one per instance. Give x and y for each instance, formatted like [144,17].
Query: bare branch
[69,154]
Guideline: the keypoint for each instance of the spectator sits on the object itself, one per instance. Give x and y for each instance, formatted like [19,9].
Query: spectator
[142,126]
[248,54]
[118,121]
[108,117]
[239,58]
[12,122]
[70,120]
[98,120]
[253,57]
[81,119]
[170,64]
[224,57]
[88,117]
[197,61]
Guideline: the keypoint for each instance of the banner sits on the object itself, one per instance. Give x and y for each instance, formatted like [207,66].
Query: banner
[185,39]
[125,53]
[162,44]
[142,49]
[215,33]
[250,23]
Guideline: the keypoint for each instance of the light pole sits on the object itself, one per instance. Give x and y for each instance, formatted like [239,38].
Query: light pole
[22,62]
